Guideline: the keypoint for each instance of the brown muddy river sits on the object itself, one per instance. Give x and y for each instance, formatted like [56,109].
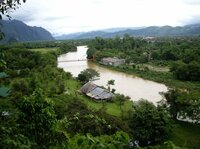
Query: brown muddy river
[126,84]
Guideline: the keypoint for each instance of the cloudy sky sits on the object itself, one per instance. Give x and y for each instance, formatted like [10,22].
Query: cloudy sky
[69,16]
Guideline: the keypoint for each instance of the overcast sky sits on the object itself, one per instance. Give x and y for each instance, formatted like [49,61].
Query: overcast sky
[69,16]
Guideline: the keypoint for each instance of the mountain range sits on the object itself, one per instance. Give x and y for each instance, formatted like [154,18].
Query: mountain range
[154,31]
[15,30]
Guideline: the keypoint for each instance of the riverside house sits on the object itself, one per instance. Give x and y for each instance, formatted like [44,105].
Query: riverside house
[113,61]
[96,92]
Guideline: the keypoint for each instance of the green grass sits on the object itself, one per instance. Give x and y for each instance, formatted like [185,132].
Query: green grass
[186,135]
[111,108]
[44,50]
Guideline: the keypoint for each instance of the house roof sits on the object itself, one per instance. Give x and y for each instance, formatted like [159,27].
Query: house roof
[104,95]
[88,87]
[111,59]
[3,75]
[96,92]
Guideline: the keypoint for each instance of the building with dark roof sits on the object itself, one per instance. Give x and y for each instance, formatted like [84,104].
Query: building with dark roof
[113,61]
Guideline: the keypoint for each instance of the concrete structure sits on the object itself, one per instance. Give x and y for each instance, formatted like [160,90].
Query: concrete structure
[113,61]
[96,92]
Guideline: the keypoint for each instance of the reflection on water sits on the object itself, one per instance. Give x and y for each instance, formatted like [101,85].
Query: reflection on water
[126,84]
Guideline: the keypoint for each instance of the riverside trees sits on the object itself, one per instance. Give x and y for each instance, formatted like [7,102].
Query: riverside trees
[87,75]
[150,124]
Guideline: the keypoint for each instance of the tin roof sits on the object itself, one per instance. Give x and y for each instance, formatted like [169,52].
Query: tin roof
[96,92]
[104,95]
[88,87]
[111,59]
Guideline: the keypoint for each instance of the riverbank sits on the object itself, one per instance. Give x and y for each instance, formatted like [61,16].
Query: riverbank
[160,77]
[134,87]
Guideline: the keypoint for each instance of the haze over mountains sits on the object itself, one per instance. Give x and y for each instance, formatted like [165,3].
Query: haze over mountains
[155,31]
[16,30]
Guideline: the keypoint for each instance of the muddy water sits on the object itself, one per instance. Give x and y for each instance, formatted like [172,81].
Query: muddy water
[126,84]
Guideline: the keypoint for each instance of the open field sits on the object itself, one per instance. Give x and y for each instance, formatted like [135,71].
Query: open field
[44,50]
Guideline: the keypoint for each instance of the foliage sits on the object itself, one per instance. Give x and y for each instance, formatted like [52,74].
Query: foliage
[187,72]
[150,124]
[37,120]
[120,99]
[115,141]
[56,117]
[87,75]
[184,52]
[186,134]
[109,83]
[91,53]
[165,145]
[184,104]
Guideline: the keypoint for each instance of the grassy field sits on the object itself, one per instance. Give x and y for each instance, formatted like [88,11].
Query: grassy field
[111,108]
[44,50]
[154,68]
[186,135]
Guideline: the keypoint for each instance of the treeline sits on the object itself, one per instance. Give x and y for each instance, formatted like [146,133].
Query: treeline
[63,46]
[180,54]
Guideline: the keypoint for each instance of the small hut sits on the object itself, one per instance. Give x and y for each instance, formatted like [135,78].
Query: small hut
[96,92]
[113,61]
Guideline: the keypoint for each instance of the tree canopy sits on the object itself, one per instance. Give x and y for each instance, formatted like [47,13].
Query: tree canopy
[88,75]
[149,123]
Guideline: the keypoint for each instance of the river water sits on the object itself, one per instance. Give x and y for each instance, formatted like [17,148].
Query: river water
[129,85]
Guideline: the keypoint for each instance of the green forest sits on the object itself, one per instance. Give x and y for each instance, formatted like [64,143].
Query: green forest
[41,105]
[42,108]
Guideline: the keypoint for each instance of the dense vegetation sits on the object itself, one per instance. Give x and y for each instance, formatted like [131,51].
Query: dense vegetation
[180,55]
[43,109]
[173,61]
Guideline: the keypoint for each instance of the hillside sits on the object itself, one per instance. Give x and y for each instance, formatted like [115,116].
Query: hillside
[155,31]
[15,30]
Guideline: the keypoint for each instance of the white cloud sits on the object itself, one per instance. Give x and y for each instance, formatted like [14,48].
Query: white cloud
[67,16]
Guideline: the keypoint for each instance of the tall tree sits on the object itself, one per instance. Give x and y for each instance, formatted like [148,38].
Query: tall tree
[88,75]
[38,121]
[149,123]
[109,83]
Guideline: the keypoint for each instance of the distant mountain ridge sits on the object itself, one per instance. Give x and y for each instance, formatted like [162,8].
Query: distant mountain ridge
[155,31]
[16,30]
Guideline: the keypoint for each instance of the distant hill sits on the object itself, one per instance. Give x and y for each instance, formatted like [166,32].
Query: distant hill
[15,30]
[155,31]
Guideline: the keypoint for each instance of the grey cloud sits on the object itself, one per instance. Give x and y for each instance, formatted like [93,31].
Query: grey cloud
[192,2]
[193,20]
[24,17]
[55,18]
